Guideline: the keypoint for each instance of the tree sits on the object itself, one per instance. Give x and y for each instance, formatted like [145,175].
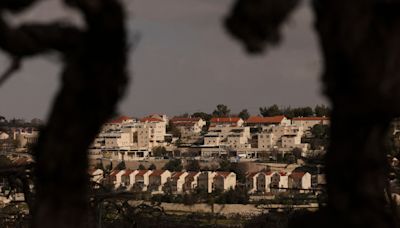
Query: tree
[303,111]
[353,79]
[193,165]
[93,80]
[174,165]
[297,152]
[273,110]
[202,115]
[244,114]
[320,131]
[224,165]
[141,167]
[221,111]
[152,167]
[322,110]
[159,151]
[121,166]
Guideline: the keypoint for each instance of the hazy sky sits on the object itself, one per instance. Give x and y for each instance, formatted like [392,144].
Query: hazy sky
[185,62]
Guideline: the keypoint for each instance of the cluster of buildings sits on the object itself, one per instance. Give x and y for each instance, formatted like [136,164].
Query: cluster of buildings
[127,138]
[23,136]
[274,182]
[161,181]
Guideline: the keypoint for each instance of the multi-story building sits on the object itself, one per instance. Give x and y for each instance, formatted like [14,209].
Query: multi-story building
[308,122]
[258,121]
[219,122]
[284,137]
[188,127]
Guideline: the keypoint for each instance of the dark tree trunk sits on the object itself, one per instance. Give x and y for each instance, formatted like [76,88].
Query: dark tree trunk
[93,81]
[361,51]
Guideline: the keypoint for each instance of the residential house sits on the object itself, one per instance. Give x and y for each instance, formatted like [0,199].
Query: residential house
[188,127]
[177,181]
[300,181]
[263,181]
[279,182]
[218,122]
[259,121]
[224,181]
[205,180]
[157,179]
[191,181]
[128,178]
[96,175]
[115,178]
[141,180]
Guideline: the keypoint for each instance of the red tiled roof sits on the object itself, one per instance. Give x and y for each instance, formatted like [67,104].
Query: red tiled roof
[315,118]
[282,173]
[128,172]
[192,174]
[225,120]
[119,119]
[297,175]
[265,120]
[223,174]
[21,161]
[142,172]
[114,173]
[267,173]
[176,175]
[157,173]
[151,119]
[251,175]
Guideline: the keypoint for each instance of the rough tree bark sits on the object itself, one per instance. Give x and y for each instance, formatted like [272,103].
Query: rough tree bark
[93,81]
[361,50]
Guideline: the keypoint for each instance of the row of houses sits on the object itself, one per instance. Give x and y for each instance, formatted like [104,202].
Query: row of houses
[273,182]
[161,181]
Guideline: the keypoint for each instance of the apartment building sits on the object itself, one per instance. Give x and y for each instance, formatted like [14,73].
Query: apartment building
[188,126]
[308,122]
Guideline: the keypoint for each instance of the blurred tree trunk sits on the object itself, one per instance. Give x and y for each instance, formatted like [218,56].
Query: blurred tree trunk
[361,53]
[93,81]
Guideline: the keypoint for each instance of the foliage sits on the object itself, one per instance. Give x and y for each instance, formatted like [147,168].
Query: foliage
[273,110]
[174,165]
[224,165]
[244,114]
[121,166]
[322,110]
[152,167]
[233,196]
[4,161]
[193,165]
[159,151]
[141,167]
[320,131]
[202,115]
[221,111]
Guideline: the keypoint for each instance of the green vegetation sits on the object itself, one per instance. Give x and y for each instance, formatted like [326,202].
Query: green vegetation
[193,165]
[173,165]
